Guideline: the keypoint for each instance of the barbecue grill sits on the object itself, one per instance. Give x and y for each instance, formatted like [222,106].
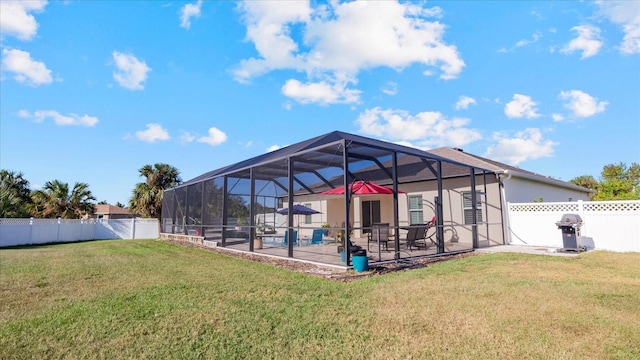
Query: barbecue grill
[570,225]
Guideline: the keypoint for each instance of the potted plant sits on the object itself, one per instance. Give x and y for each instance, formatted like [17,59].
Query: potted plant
[340,240]
[257,240]
[325,229]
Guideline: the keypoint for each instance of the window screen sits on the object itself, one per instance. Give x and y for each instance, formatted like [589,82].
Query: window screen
[416,215]
[468,211]
[307,218]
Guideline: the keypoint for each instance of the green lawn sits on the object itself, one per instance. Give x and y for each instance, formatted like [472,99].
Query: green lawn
[149,299]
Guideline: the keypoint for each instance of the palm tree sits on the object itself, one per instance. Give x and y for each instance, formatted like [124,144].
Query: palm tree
[15,196]
[147,196]
[55,200]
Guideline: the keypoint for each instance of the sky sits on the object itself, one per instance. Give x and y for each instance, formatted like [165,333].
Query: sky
[91,91]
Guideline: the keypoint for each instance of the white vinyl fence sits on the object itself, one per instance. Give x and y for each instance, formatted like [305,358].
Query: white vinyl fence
[41,231]
[607,225]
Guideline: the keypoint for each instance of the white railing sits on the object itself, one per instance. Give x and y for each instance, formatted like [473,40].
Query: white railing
[607,225]
[41,231]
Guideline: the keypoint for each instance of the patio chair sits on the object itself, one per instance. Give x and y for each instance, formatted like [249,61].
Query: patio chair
[379,233]
[417,235]
[316,237]
[295,237]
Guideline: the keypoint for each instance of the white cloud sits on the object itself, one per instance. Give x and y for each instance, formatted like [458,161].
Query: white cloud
[131,73]
[25,69]
[59,119]
[215,137]
[557,117]
[186,137]
[523,42]
[273,148]
[627,15]
[153,133]
[187,12]
[521,106]
[339,40]
[321,92]
[526,145]
[588,41]
[582,104]
[16,18]
[390,88]
[534,38]
[423,130]
[464,102]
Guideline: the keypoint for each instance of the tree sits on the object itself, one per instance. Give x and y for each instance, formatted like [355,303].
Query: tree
[119,204]
[586,181]
[103,202]
[617,182]
[15,195]
[147,196]
[55,200]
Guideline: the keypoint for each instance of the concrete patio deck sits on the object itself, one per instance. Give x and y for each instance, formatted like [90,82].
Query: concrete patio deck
[523,249]
[327,254]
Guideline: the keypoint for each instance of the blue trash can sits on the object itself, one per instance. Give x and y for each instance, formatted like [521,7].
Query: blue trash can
[360,261]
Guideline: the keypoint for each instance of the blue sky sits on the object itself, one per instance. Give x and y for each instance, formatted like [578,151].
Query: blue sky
[92,91]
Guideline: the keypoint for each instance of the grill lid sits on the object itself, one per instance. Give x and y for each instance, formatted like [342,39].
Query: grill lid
[569,220]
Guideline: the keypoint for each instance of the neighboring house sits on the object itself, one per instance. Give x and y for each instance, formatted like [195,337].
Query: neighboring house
[106,211]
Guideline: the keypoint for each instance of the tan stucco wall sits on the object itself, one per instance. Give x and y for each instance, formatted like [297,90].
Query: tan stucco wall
[489,233]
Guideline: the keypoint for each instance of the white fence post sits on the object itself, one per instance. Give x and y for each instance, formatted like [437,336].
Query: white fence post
[30,231]
[583,231]
[133,228]
[58,235]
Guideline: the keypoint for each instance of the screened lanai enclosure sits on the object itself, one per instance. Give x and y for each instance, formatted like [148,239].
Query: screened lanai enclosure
[433,206]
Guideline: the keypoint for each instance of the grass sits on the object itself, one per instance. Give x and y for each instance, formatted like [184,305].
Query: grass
[148,299]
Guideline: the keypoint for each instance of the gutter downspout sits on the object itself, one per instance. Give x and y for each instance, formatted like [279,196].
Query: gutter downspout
[506,234]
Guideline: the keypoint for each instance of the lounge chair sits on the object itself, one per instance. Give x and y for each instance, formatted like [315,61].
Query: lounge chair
[316,238]
[295,237]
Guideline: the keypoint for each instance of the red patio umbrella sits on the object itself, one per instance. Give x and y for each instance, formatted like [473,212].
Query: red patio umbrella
[361,187]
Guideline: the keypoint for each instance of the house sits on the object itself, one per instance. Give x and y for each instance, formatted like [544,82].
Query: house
[519,185]
[495,188]
[106,211]
[465,194]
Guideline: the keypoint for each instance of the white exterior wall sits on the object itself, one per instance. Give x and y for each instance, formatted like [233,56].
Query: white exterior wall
[607,225]
[15,232]
[519,190]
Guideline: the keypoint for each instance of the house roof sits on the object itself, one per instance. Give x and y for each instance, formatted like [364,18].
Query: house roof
[106,209]
[500,168]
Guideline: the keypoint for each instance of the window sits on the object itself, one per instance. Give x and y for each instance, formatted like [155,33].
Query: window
[416,215]
[468,211]
[307,218]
